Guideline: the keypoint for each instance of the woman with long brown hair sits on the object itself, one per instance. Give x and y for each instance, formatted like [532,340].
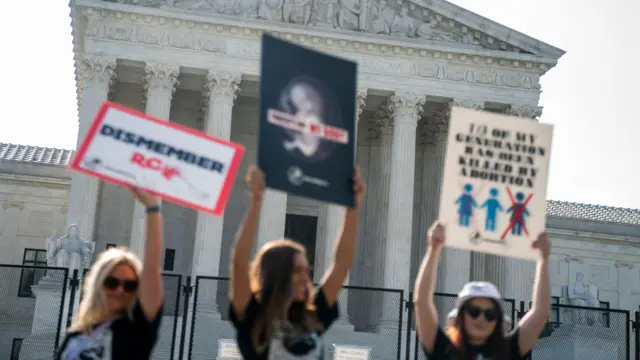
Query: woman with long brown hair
[478,329]
[274,307]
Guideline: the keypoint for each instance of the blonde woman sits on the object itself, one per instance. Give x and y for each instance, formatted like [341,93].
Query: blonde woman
[120,312]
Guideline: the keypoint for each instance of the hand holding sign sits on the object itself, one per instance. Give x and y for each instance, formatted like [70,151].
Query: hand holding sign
[144,197]
[543,244]
[436,236]
[255,182]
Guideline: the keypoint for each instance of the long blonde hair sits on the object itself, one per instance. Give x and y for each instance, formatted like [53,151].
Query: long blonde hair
[93,307]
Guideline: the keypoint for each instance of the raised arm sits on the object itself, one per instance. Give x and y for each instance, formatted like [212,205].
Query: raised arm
[535,320]
[151,288]
[239,288]
[345,248]
[425,309]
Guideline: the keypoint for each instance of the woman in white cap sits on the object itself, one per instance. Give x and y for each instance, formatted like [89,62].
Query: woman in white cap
[478,329]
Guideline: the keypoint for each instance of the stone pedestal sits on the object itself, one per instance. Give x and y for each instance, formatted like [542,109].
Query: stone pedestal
[40,344]
[579,342]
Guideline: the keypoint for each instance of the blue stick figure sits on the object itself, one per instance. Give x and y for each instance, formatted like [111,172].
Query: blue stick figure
[467,203]
[518,211]
[493,207]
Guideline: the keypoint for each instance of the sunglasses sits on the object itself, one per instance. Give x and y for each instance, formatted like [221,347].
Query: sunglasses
[490,315]
[113,283]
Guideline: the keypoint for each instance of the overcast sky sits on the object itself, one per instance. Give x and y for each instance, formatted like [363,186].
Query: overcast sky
[590,97]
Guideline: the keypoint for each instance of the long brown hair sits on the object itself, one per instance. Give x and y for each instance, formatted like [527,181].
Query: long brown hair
[497,341]
[270,277]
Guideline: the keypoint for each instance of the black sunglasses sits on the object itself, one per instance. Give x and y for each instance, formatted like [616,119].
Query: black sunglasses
[490,314]
[129,286]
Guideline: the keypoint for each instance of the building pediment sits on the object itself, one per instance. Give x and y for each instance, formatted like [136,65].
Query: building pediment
[432,21]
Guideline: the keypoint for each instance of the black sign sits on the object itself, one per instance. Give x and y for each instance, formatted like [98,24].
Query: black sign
[306,144]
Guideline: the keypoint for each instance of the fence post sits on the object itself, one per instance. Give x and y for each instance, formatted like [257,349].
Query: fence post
[409,310]
[636,329]
[186,289]
[74,282]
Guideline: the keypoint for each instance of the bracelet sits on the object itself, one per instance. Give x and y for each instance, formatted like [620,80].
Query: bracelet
[154,209]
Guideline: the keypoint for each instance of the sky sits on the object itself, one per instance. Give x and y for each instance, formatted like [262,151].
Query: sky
[590,97]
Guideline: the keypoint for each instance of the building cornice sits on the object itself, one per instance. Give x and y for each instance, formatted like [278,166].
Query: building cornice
[581,235]
[380,44]
[35,181]
[490,27]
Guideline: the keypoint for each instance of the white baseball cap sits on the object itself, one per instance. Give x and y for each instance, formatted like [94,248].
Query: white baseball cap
[478,289]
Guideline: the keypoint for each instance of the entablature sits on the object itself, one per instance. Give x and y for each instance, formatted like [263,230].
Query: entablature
[139,34]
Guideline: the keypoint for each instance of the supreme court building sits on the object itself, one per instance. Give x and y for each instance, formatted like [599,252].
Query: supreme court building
[196,63]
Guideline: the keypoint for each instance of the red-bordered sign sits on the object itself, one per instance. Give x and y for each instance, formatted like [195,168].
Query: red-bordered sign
[180,164]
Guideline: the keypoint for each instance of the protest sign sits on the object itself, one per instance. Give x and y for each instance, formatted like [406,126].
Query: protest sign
[494,182]
[306,143]
[177,163]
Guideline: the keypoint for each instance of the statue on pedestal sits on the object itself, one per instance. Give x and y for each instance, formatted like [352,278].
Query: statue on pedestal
[69,248]
[581,294]
[50,245]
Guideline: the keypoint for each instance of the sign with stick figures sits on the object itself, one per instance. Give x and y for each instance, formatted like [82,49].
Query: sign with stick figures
[495,182]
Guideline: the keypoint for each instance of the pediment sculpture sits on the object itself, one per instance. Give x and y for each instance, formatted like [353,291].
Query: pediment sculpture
[70,251]
[371,16]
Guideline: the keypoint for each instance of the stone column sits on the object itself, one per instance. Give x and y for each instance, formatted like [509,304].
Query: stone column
[95,75]
[380,136]
[220,91]
[434,137]
[161,81]
[406,108]
[330,218]
[272,217]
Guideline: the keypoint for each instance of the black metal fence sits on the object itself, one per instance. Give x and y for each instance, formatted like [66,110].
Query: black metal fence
[37,305]
[32,302]
[581,332]
[379,328]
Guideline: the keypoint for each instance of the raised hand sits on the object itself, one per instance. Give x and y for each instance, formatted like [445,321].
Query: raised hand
[543,244]
[144,197]
[255,182]
[358,187]
[436,236]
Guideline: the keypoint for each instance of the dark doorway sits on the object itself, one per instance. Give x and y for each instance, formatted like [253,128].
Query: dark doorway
[302,228]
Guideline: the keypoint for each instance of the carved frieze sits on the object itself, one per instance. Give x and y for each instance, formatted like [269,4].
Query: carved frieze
[186,39]
[380,17]
[476,75]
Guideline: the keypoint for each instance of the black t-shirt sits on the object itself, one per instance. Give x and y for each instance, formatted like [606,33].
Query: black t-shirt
[283,345]
[123,338]
[443,348]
